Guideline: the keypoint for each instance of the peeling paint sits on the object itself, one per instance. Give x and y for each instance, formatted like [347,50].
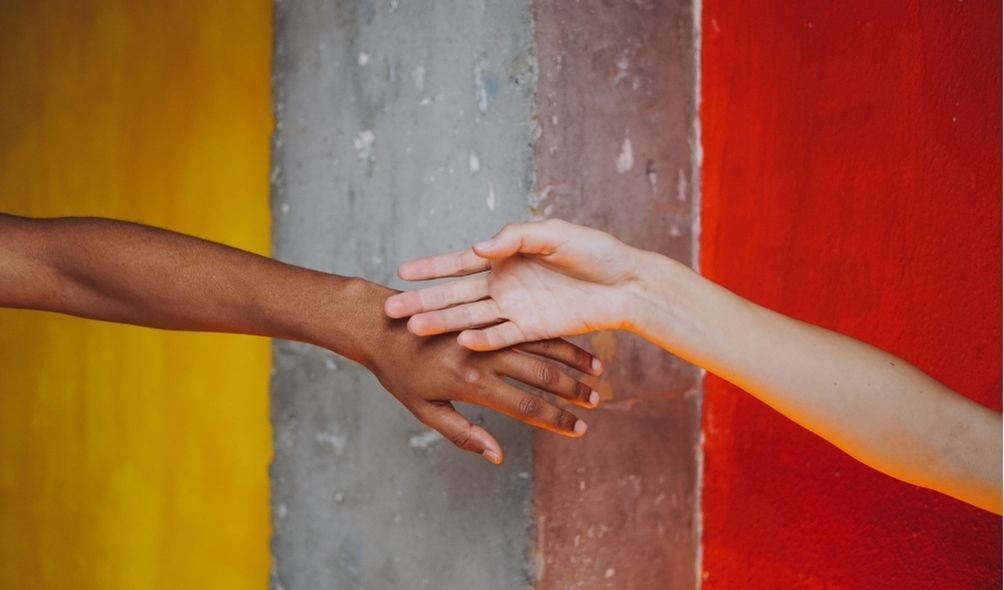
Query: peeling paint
[364,144]
[334,437]
[490,200]
[480,88]
[625,160]
[622,68]
[425,440]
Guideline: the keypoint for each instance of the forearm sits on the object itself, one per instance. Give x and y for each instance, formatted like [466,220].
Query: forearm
[874,406]
[124,272]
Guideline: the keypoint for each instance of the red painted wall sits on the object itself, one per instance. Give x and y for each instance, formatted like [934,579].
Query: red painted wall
[852,179]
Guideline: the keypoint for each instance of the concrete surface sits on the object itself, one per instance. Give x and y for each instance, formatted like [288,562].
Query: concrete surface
[404,129]
[407,129]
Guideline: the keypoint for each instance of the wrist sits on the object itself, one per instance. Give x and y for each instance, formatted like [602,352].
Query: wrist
[660,299]
[342,314]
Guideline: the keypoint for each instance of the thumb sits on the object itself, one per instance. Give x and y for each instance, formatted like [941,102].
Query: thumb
[537,237]
[457,429]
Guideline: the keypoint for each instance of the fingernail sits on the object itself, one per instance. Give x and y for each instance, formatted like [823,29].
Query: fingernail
[486,245]
[492,456]
[597,366]
[594,398]
[580,427]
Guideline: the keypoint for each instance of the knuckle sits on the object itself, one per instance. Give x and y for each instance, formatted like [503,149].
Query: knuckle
[582,391]
[546,374]
[529,406]
[462,439]
[470,376]
[553,225]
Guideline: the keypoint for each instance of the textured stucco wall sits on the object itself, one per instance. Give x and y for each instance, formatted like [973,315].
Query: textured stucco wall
[617,107]
[852,179]
[405,129]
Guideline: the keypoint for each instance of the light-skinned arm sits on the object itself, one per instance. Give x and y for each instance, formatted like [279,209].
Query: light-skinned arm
[553,278]
[124,272]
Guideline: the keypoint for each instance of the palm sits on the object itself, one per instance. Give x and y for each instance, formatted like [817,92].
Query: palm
[544,302]
[546,279]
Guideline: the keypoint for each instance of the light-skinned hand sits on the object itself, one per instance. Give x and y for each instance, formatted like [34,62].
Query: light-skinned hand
[547,278]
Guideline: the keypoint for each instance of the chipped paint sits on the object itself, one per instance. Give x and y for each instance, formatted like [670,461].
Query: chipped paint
[490,200]
[625,159]
[622,68]
[425,440]
[364,144]
[480,87]
[334,437]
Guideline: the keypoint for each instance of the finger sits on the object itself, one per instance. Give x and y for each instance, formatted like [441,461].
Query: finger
[503,335]
[445,419]
[548,377]
[454,319]
[409,303]
[565,352]
[531,409]
[454,264]
[535,237]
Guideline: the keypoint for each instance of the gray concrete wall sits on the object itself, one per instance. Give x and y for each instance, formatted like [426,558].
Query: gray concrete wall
[404,128]
[408,128]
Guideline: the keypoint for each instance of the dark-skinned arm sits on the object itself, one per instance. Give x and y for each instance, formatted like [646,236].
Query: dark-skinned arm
[129,273]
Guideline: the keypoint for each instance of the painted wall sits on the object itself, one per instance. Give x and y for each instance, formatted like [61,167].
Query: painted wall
[852,179]
[131,458]
[616,105]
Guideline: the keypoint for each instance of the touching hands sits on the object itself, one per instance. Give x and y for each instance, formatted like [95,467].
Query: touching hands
[427,374]
[123,272]
[548,279]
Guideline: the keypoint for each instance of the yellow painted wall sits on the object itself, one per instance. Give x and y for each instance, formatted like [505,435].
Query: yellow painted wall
[133,458]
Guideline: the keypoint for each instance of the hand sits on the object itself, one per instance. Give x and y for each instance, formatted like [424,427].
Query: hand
[123,272]
[427,374]
[548,279]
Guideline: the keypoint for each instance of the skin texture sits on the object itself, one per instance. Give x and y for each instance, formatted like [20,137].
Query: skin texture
[124,272]
[553,278]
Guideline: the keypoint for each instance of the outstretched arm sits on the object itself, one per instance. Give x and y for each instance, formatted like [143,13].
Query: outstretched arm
[553,278]
[124,272]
